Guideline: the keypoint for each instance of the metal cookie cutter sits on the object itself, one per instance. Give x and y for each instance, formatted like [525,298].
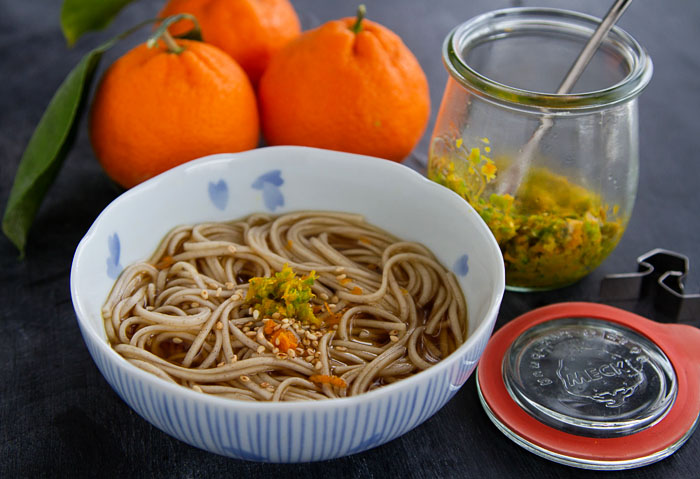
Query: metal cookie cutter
[660,273]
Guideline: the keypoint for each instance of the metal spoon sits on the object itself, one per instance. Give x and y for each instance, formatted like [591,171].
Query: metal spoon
[514,175]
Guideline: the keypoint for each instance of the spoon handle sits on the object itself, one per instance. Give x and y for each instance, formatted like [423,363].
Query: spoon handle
[592,45]
[512,177]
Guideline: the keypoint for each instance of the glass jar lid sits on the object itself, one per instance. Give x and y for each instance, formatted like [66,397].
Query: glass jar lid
[592,386]
[589,377]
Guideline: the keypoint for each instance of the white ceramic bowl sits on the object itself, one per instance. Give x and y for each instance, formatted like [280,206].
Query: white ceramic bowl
[280,179]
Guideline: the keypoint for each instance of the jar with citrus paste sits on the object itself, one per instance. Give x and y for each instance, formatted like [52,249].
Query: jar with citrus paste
[553,175]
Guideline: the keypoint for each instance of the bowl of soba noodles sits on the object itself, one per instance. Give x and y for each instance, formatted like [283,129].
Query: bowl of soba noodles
[287,304]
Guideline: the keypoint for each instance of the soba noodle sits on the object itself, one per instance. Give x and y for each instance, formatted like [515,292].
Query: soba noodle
[384,309]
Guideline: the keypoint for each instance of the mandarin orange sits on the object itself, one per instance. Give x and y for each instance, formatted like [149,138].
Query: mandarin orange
[251,31]
[155,109]
[349,85]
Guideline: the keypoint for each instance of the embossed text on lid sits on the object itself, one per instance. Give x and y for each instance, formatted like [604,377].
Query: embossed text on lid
[589,377]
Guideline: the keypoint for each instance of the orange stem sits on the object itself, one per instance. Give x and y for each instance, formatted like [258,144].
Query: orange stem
[361,12]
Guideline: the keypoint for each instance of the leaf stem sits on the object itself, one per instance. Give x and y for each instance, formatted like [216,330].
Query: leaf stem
[361,12]
[170,43]
[162,33]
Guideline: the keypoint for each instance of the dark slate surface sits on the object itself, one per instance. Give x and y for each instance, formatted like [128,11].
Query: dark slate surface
[58,417]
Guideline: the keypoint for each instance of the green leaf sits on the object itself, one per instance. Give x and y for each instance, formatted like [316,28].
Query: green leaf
[49,144]
[46,150]
[82,16]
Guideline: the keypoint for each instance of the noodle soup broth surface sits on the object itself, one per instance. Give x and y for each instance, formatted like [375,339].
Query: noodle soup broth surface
[301,306]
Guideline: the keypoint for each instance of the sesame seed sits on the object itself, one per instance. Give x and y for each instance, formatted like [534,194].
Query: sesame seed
[246,329]
[285,320]
[231,249]
[251,334]
[234,358]
[197,388]
[276,315]
[219,325]
[236,297]
[204,293]
[250,310]
[270,389]
[218,291]
[339,269]
[341,277]
[334,299]
[315,343]
[261,349]
[194,304]
[364,333]
[229,285]
[221,364]
[323,296]
[264,384]
[341,348]
[277,341]
[149,308]
[393,338]
[275,350]
[177,340]
[244,378]
[311,336]
[281,356]
[292,353]
[309,358]
[256,314]
[318,365]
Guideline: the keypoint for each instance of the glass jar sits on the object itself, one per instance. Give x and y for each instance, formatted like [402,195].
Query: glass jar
[553,175]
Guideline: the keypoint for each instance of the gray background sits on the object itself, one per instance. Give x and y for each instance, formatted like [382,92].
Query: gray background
[58,417]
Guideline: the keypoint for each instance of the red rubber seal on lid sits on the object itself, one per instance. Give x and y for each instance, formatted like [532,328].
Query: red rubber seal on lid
[680,343]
